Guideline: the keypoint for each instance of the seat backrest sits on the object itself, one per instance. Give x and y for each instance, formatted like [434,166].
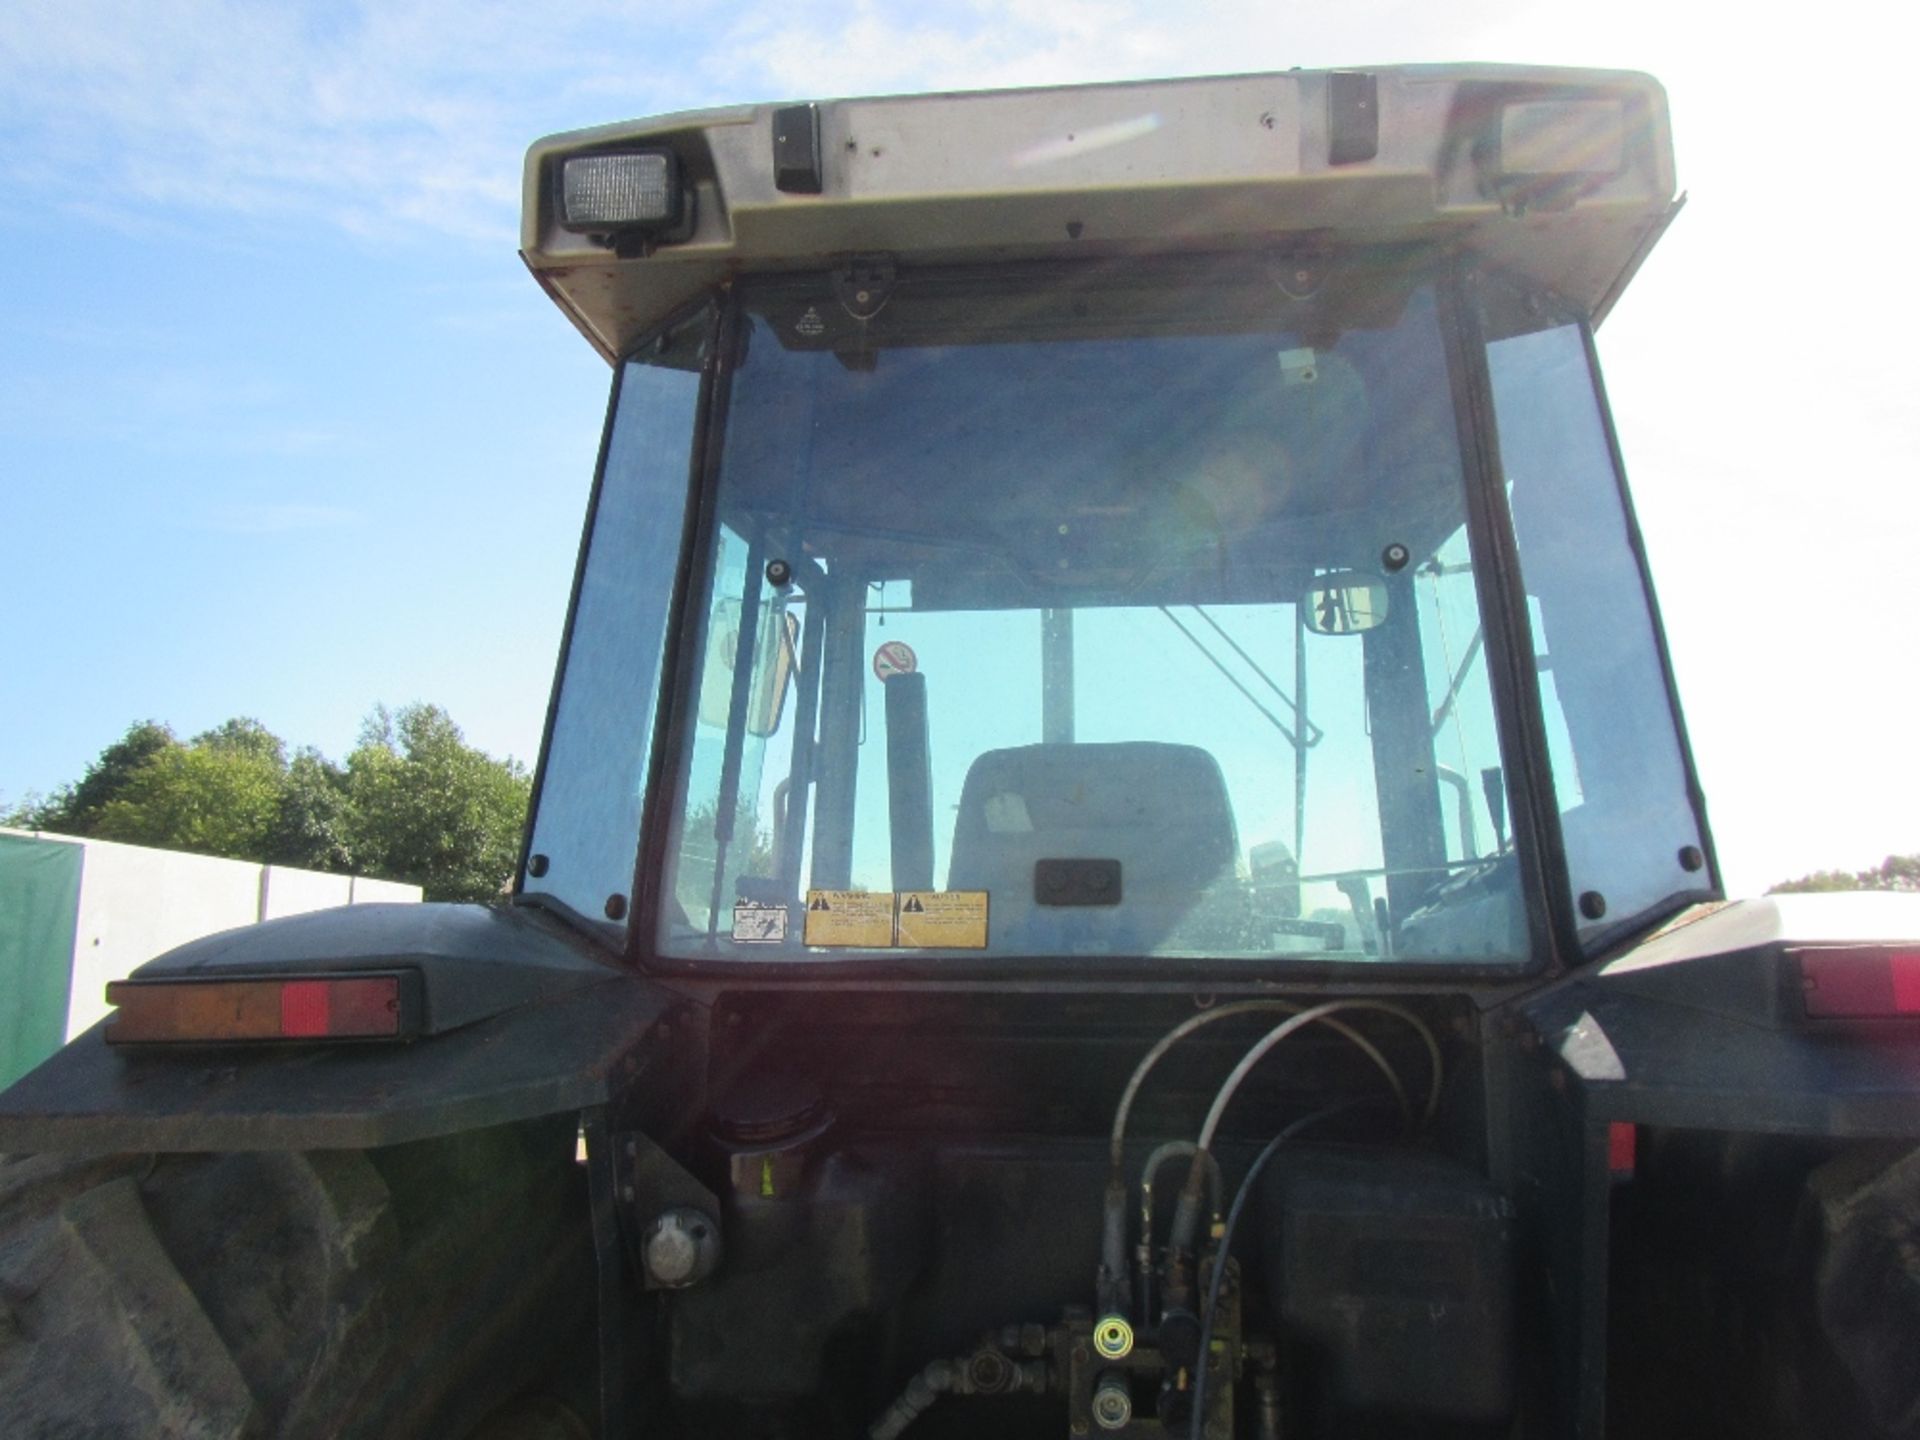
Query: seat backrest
[1161,810]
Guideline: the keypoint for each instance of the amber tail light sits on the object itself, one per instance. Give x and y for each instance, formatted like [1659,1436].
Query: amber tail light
[309,1007]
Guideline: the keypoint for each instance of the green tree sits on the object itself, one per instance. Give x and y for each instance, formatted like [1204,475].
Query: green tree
[1896,872]
[76,809]
[212,798]
[315,827]
[246,736]
[430,809]
[414,801]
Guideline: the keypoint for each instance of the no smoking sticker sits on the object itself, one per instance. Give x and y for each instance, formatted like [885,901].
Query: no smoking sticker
[896,657]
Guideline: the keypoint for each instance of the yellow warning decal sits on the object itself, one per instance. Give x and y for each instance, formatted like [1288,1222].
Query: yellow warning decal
[849,918]
[943,919]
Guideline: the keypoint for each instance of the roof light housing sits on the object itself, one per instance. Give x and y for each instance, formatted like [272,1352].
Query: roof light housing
[1563,137]
[625,193]
[1545,148]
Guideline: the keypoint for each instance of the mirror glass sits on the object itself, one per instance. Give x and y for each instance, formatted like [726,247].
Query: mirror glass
[775,642]
[1344,602]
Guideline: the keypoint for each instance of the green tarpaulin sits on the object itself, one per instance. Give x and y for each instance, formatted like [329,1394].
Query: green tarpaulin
[39,908]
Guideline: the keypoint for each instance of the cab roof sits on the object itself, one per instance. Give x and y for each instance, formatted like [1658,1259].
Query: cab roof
[1563,177]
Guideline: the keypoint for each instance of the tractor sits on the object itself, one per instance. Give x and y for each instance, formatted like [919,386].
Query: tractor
[1114,855]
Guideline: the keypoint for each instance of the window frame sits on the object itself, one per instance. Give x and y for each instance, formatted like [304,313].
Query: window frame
[617,934]
[1522,309]
[1553,944]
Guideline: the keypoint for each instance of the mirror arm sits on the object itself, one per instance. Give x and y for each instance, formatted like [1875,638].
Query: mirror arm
[745,649]
[1469,833]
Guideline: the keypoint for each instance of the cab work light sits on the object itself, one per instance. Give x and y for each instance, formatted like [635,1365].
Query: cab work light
[382,1006]
[1860,982]
[631,190]
[1542,139]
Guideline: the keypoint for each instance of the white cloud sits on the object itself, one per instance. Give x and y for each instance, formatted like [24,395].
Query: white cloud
[377,118]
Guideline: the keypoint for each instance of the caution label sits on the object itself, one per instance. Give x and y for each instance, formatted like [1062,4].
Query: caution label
[849,918]
[943,920]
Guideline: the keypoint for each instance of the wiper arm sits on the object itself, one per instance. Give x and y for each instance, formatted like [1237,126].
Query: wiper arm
[1452,696]
[1310,733]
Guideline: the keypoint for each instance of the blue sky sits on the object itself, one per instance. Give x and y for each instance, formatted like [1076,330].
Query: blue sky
[286,431]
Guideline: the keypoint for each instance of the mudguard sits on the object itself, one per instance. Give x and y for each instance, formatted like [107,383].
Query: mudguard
[522,1018]
[1703,1026]
[1703,1029]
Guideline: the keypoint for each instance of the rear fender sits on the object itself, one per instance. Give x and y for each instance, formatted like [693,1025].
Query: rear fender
[521,1018]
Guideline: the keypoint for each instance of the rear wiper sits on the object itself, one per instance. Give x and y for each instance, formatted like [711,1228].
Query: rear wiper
[1310,733]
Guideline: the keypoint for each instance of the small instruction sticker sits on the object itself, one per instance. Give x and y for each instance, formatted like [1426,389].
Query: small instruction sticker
[943,920]
[849,918]
[759,924]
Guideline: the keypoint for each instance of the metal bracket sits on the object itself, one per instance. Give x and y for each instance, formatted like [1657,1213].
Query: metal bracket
[617,1326]
[865,285]
[652,1184]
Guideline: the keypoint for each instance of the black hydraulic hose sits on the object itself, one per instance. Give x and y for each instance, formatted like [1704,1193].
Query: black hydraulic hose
[1110,1285]
[925,1388]
[1113,1236]
[1176,1149]
[1172,1149]
[1225,1247]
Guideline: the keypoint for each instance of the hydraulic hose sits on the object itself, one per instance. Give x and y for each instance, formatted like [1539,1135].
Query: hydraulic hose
[1172,1149]
[1163,1153]
[1187,1210]
[1225,1248]
[1117,1140]
[1306,1017]
[925,1388]
[1186,1215]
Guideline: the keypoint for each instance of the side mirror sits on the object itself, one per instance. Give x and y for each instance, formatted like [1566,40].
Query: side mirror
[775,648]
[1344,602]
[773,673]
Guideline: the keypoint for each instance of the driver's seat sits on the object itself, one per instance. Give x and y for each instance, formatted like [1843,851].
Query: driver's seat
[1160,810]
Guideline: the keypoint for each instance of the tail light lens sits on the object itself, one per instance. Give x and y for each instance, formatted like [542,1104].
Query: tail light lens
[318,1007]
[1859,982]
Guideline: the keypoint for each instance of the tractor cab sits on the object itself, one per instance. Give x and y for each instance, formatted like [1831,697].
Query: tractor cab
[1114,854]
[1246,592]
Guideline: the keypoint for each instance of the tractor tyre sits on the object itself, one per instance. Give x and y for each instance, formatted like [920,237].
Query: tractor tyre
[410,1290]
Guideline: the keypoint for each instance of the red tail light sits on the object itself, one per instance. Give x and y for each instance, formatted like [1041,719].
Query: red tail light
[321,1007]
[1860,981]
[1622,1146]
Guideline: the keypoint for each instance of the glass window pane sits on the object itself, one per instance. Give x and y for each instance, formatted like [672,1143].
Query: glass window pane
[1619,776]
[1184,589]
[587,821]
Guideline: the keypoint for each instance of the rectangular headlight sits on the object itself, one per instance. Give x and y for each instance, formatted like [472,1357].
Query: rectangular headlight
[1563,137]
[635,190]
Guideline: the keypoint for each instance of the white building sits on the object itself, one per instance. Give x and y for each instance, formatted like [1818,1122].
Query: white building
[76,913]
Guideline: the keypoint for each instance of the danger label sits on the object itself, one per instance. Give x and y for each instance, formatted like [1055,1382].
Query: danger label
[849,918]
[943,920]
[896,657]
